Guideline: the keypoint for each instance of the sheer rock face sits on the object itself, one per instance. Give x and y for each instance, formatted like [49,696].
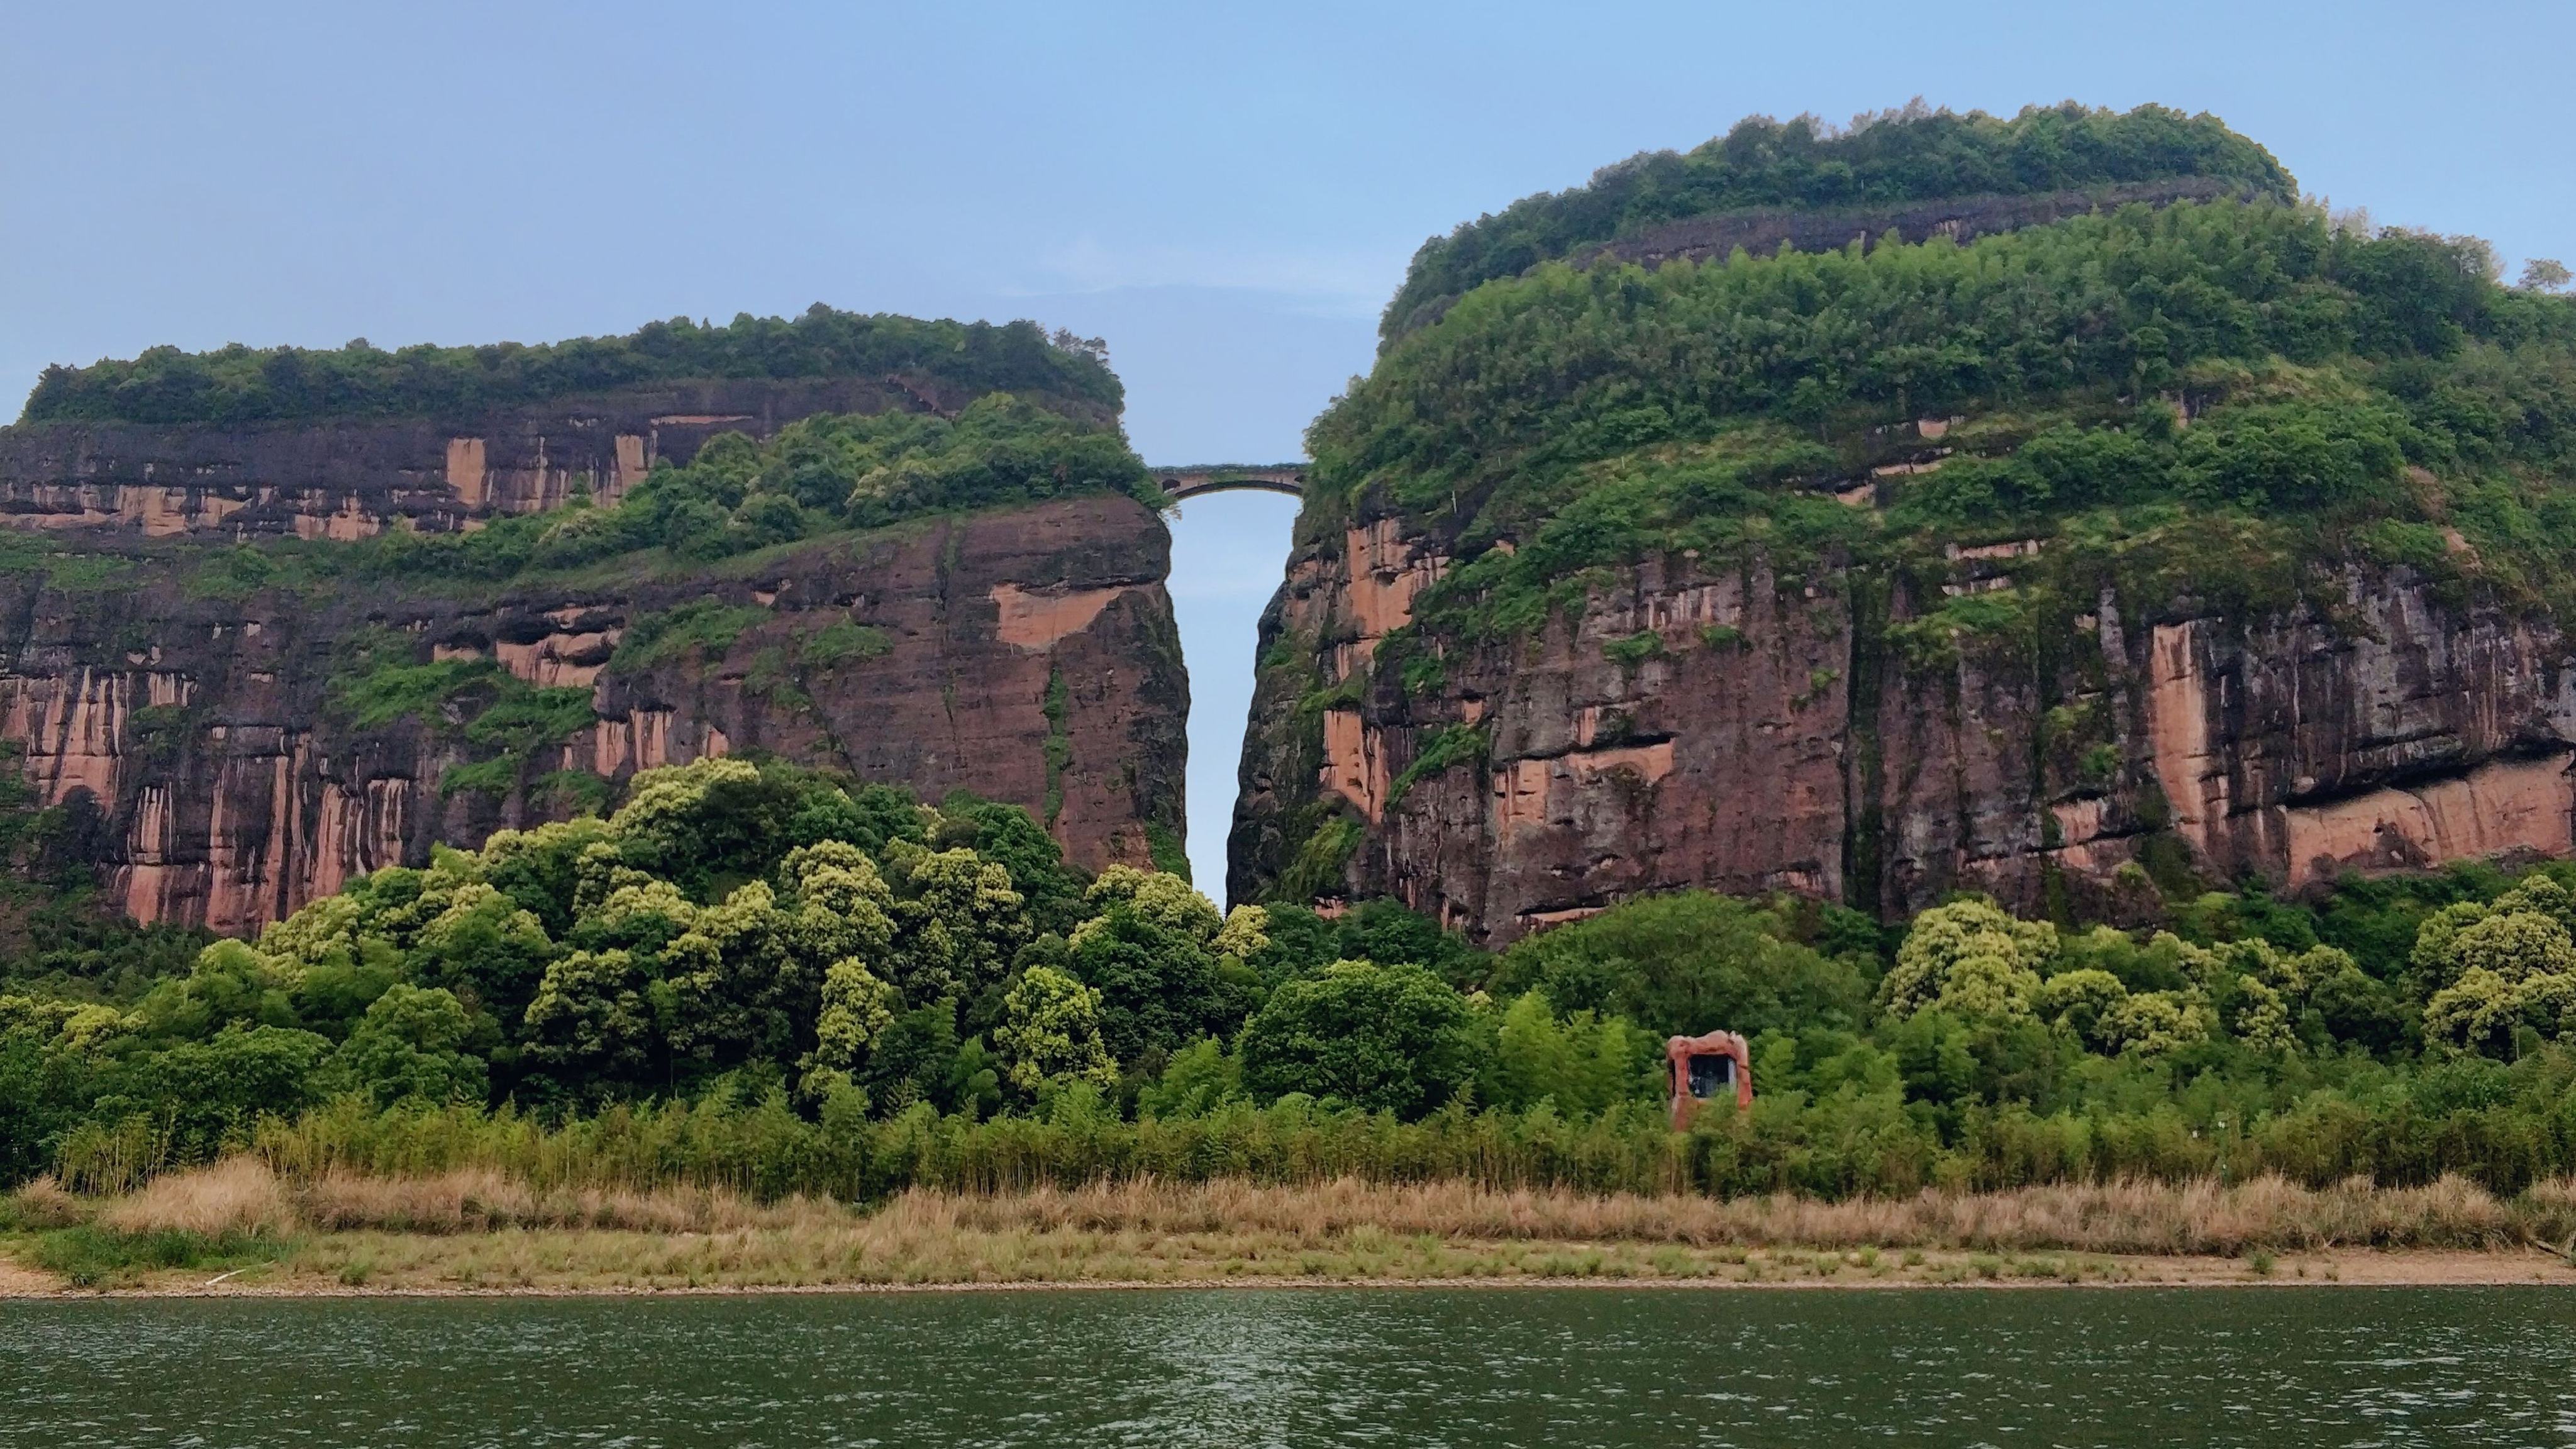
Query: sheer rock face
[1027,655]
[1775,738]
[351,477]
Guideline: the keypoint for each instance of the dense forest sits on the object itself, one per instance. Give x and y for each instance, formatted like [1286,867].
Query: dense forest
[760,973]
[239,384]
[1907,155]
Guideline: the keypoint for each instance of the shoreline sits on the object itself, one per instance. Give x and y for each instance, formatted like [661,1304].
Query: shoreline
[238,1228]
[1780,1271]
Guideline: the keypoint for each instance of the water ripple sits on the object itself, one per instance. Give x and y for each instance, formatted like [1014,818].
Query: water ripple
[2271,1367]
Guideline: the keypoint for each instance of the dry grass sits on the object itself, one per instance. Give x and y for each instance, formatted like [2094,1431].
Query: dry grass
[472,1200]
[2198,1218]
[44,1204]
[243,1195]
[478,1229]
[236,1195]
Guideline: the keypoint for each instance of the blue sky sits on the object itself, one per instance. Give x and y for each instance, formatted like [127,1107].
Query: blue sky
[1226,193]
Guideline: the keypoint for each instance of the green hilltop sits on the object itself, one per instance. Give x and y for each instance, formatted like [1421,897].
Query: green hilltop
[239,384]
[1911,154]
[2203,398]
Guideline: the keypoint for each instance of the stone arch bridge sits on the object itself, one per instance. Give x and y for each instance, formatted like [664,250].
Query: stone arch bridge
[1198,478]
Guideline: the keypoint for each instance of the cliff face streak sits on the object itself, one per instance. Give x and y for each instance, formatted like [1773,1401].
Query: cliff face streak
[1028,655]
[1776,739]
[348,478]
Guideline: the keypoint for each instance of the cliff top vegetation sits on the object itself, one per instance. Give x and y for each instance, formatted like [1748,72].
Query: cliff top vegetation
[825,476]
[815,476]
[2202,400]
[239,384]
[1904,155]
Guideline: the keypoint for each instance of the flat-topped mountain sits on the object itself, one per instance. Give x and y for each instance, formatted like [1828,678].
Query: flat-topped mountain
[280,619]
[2147,529]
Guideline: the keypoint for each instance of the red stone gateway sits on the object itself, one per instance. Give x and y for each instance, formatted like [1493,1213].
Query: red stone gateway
[1704,1067]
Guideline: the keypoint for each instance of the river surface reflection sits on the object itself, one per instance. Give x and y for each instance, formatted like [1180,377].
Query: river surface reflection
[1812,1369]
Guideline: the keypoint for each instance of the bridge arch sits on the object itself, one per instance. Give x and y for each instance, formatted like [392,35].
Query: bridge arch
[1288,478]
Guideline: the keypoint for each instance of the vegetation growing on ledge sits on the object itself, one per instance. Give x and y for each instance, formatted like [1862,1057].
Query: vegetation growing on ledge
[474,702]
[1909,155]
[816,476]
[240,384]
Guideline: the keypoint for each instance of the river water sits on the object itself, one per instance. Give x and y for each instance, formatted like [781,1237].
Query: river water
[1812,1369]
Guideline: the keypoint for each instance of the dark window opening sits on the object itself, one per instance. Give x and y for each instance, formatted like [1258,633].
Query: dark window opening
[1711,1076]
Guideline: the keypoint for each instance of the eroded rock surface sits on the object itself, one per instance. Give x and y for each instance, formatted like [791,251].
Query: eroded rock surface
[1751,732]
[351,477]
[199,738]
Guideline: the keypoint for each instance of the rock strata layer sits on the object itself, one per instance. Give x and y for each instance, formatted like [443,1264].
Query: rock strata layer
[203,740]
[352,477]
[1747,732]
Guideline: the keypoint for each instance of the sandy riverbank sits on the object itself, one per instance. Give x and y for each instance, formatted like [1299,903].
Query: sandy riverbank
[237,1229]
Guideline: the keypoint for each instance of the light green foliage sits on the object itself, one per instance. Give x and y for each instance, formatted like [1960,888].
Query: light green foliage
[738,988]
[1582,1063]
[1968,959]
[2501,968]
[2153,1023]
[856,1010]
[700,630]
[1163,900]
[842,641]
[960,923]
[2079,1000]
[843,904]
[383,691]
[664,804]
[1634,649]
[1163,844]
[1200,1078]
[1245,934]
[726,921]
[232,985]
[2113,994]
[69,570]
[592,1018]
[379,682]
[485,947]
[1316,871]
[1441,750]
[2276,1036]
[1051,1031]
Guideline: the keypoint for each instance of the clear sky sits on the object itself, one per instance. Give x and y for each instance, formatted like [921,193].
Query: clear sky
[1226,193]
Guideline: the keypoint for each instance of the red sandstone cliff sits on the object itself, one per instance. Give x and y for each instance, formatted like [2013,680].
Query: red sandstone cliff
[348,478]
[1775,739]
[1027,655]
